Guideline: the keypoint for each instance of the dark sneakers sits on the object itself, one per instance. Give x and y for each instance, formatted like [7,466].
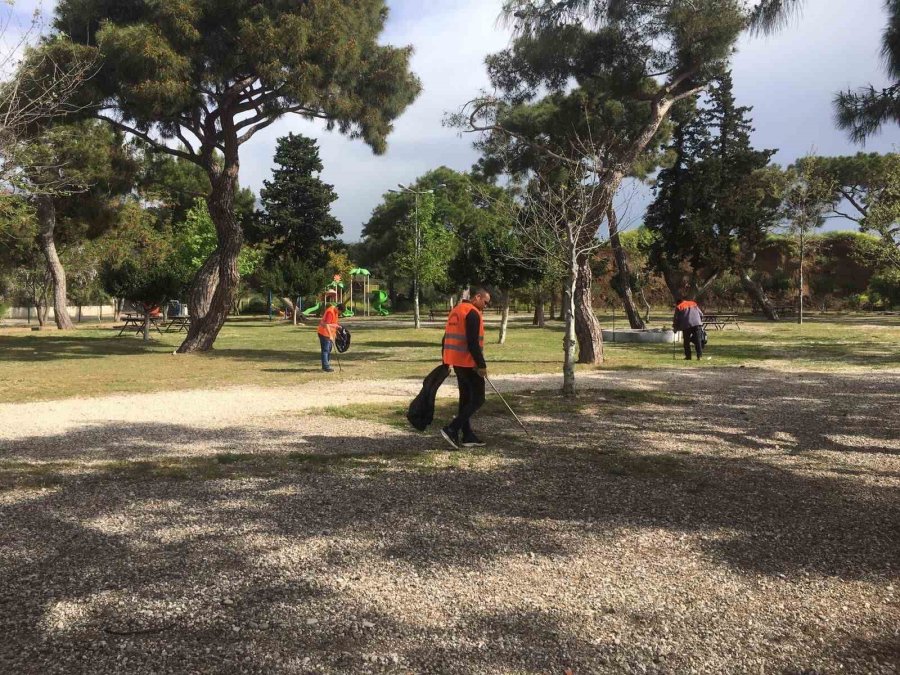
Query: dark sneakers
[452,437]
[472,441]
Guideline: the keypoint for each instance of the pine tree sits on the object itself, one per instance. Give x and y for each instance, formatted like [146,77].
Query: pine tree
[296,219]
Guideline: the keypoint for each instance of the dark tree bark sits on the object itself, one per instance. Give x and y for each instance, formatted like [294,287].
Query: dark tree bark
[757,294]
[623,273]
[538,310]
[205,326]
[204,286]
[46,216]
[587,328]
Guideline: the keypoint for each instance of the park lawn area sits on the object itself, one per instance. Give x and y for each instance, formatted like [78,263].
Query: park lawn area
[91,361]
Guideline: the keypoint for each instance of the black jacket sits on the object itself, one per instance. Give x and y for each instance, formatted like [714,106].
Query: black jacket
[421,410]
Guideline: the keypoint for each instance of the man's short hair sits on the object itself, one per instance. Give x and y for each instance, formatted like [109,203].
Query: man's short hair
[480,290]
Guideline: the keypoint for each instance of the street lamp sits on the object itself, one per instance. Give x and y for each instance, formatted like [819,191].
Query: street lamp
[416,193]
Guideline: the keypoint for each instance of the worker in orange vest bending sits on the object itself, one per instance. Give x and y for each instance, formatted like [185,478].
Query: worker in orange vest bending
[463,348]
[328,326]
[689,320]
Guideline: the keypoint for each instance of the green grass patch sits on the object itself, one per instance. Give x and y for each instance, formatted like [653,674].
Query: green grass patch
[92,361]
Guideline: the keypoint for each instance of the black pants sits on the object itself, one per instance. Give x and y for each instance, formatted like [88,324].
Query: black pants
[693,335]
[471,398]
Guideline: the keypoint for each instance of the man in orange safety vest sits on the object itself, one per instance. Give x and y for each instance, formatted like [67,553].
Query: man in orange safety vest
[327,330]
[463,348]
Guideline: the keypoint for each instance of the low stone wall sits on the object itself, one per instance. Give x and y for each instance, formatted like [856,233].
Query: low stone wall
[659,335]
[88,313]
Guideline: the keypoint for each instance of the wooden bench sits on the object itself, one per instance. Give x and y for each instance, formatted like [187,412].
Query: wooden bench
[718,321]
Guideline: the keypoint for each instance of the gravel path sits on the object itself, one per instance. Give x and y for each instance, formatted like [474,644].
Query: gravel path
[212,408]
[708,521]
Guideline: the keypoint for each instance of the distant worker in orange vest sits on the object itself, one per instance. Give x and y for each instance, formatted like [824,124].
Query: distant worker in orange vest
[328,326]
[463,348]
[689,320]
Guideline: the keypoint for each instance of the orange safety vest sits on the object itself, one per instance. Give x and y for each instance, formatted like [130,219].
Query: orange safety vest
[684,304]
[456,346]
[328,323]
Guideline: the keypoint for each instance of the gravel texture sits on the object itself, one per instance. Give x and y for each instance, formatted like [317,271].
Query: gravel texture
[711,521]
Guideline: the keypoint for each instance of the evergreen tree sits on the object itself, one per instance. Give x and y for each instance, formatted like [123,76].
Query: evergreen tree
[296,220]
[715,205]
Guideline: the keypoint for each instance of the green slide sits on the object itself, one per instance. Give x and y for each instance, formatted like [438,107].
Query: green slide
[312,310]
[379,299]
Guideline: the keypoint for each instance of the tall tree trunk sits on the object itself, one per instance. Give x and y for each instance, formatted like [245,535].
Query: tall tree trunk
[587,328]
[646,306]
[569,341]
[146,324]
[538,309]
[46,216]
[674,281]
[623,272]
[205,326]
[504,316]
[758,294]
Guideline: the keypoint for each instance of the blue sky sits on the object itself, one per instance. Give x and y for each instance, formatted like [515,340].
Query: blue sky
[789,79]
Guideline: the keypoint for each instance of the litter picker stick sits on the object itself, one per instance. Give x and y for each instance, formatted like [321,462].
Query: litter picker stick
[337,355]
[512,412]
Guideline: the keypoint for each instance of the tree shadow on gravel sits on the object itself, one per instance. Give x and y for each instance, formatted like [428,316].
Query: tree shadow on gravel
[239,549]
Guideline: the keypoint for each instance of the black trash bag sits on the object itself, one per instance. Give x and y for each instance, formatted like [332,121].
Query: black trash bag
[421,410]
[342,339]
[704,337]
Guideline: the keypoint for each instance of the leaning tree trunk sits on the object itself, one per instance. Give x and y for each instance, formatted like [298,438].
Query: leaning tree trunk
[204,286]
[46,216]
[205,326]
[587,328]
[758,294]
[623,287]
[569,342]
[504,317]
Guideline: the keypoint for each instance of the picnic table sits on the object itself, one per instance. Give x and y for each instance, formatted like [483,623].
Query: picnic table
[179,323]
[136,321]
[719,320]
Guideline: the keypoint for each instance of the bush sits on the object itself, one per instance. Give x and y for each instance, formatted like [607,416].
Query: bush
[884,289]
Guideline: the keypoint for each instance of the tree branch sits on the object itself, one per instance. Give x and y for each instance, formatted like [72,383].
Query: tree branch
[147,138]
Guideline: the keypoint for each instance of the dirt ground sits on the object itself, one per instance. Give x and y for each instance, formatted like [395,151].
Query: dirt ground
[722,520]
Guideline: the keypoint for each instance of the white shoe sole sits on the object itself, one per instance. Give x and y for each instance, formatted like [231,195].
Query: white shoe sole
[449,440]
[473,445]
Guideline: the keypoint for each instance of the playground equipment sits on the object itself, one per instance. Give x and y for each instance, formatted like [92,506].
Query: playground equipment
[311,311]
[336,287]
[365,274]
[379,299]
